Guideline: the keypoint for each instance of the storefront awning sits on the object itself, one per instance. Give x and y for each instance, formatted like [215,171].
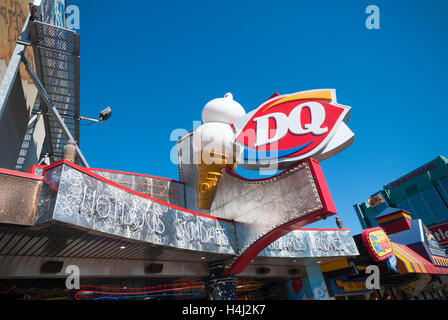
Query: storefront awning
[440,261]
[412,262]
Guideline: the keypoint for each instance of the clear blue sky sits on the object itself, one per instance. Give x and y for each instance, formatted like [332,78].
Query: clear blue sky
[156,63]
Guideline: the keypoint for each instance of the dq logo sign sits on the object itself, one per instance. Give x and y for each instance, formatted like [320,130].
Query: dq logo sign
[377,243]
[292,127]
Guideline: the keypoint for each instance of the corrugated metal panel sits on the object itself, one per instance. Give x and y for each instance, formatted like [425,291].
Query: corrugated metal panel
[61,241]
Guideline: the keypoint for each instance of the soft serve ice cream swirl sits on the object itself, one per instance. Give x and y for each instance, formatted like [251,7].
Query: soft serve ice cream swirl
[213,145]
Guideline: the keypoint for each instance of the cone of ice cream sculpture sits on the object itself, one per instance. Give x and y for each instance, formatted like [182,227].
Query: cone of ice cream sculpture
[213,146]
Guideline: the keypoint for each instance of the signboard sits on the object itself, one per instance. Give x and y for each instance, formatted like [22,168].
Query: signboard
[377,243]
[376,199]
[292,127]
[433,245]
[313,243]
[440,231]
[420,239]
[308,126]
[87,200]
[298,196]
[158,188]
[77,196]
[413,175]
[342,286]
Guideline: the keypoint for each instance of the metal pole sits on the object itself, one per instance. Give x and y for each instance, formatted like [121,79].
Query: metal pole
[52,108]
[90,119]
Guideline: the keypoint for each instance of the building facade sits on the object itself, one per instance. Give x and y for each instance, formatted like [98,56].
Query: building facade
[410,264]
[422,192]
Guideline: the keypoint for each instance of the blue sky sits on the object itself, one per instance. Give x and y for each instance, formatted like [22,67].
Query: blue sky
[157,63]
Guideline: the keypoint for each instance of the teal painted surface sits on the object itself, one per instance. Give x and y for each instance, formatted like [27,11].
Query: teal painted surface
[423,178]
[317,283]
[299,289]
[422,192]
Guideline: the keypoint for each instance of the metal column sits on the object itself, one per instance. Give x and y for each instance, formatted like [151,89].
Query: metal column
[219,286]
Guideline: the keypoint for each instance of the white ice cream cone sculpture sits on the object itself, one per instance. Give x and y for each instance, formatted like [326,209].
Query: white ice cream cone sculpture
[213,146]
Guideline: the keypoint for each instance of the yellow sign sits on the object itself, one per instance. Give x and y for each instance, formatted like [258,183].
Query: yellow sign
[377,243]
[348,286]
[343,286]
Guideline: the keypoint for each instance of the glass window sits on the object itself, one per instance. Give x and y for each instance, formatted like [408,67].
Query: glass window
[419,205]
[406,205]
[442,186]
[435,205]
[411,190]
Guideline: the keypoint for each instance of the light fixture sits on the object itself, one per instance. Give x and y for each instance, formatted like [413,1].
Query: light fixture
[122,247]
[294,271]
[104,115]
[202,258]
[263,270]
[51,266]
[154,268]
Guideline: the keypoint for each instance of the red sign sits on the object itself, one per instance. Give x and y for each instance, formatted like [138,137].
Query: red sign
[412,175]
[440,231]
[377,243]
[376,200]
[291,127]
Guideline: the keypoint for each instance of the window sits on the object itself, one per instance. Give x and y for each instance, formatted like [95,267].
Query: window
[411,190]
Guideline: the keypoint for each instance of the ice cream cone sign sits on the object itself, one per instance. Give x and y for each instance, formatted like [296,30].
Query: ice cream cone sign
[213,145]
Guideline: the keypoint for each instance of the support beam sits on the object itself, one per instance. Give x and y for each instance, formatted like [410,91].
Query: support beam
[46,98]
[219,286]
